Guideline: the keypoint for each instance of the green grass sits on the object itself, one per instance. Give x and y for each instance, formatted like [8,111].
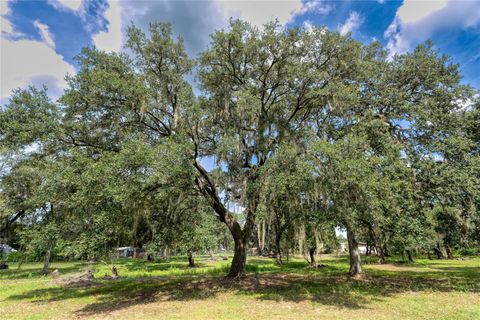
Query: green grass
[168,289]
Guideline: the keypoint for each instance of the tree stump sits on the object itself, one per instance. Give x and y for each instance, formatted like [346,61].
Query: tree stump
[114,272]
[55,274]
[89,275]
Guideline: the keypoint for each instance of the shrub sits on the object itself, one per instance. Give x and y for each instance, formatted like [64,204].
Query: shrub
[469,251]
[16,257]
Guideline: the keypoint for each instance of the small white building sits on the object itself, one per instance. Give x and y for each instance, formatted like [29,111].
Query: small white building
[133,252]
[362,247]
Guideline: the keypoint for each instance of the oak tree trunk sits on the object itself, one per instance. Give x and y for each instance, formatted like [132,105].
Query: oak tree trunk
[312,256]
[278,254]
[256,239]
[409,255]
[448,251]
[48,255]
[381,255]
[385,250]
[240,235]
[262,237]
[301,238]
[191,262]
[438,252]
[378,249]
[318,242]
[355,260]
[237,269]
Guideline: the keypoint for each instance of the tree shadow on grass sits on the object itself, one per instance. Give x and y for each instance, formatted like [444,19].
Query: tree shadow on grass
[116,295]
[442,278]
[25,273]
[327,286]
[146,266]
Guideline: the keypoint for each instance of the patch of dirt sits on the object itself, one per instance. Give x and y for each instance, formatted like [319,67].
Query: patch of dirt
[359,277]
[244,283]
[77,281]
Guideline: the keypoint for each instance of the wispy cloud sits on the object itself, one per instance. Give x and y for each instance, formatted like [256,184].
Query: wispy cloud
[416,21]
[352,23]
[73,5]
[47,37]
[111,39]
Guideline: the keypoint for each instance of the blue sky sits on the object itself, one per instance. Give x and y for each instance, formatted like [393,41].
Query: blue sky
[39,39]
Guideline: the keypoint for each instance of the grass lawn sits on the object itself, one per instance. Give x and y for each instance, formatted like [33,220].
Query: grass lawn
[168,289]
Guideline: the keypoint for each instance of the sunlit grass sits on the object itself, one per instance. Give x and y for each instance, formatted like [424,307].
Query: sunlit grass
[168,288]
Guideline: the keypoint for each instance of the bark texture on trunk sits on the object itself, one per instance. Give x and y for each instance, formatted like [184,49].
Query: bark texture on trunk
[409,255]
[263,234]
[355,260]
[48,256]
[381,255]
[386,252]
[237,269]
[318,242]
[278,254]
[374,245]
[301,240]
[256,239]
[448,251]
[311,251]
[438,252]
[191,262]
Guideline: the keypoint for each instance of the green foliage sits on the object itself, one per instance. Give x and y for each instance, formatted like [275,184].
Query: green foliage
[309,131]
[28,118]
[36,238]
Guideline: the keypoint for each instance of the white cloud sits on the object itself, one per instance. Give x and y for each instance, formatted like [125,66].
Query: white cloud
[47,37]
[352,23]
[323,8]
[25,62]
[73,5]
[414,10]
[111,40]
[28,62]
[4,9]
[260,12]
[195,20]
[6,27]
[315,6]
[416,21]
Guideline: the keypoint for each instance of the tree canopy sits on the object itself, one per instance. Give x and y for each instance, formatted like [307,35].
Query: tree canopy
[307,131]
